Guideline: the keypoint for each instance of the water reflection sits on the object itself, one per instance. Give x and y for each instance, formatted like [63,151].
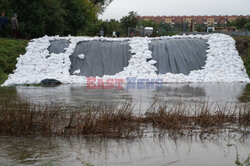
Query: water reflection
[145,151]
[77,96]
[245,97]
[139,152]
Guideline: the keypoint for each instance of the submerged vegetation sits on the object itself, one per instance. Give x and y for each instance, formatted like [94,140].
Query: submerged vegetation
[24,119]
[10,49]
[237,161]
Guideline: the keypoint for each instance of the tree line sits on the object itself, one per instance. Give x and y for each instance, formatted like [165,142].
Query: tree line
[80,17]
[53,17]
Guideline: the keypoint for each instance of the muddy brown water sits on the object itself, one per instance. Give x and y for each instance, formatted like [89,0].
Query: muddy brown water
[148,150]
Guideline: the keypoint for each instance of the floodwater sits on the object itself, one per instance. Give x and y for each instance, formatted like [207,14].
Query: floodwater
[235,94]
[138,152]
[149,150]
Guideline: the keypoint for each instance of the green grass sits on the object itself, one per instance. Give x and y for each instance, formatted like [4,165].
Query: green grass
[243,46]
[10,49]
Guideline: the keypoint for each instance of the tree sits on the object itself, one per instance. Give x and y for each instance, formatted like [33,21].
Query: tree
[51,17]
[113,25]
[78,15]
[248,26]
[107,26]
[200,28]
[241,23]
[38,18]
[101,4]
[164,28]
[129,21]
[231,24]
[181,27]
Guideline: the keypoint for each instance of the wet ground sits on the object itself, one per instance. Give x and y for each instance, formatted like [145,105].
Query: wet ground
[149,150]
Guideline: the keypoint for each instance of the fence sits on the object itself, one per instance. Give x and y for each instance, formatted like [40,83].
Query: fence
[239,33]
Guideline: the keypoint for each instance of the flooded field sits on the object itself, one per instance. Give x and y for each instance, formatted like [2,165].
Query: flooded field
[77,96]
[147,150]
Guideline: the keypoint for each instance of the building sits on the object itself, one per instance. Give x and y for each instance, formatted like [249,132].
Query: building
[198,20]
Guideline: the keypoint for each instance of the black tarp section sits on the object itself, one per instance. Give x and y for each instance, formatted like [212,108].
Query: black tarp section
[58,46]
[101,58]
[179,55]
[50,82]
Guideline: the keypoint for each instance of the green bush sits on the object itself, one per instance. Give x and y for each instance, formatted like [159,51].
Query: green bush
[50,17]
[243,47]
[9,51]
[3,76]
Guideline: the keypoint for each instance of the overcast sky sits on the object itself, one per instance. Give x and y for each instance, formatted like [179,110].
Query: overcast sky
[119,8]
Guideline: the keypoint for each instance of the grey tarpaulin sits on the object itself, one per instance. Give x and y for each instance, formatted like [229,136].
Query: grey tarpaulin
[101,58]
[108,58]
[179,55]
[58,46]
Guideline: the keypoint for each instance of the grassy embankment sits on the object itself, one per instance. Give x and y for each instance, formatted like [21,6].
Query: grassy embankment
[10,49]
[243,46]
